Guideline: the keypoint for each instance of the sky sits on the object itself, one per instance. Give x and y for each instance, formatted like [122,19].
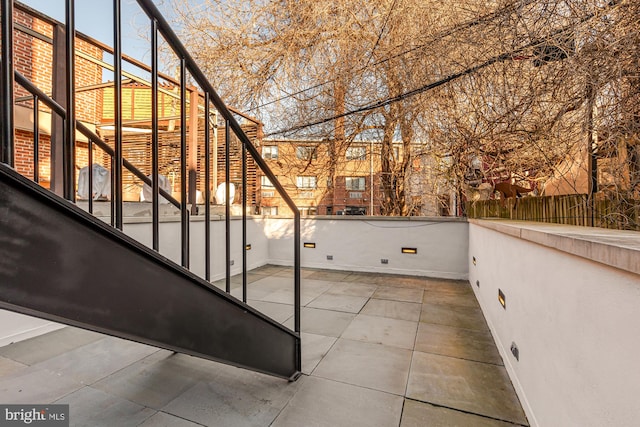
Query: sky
[95,19]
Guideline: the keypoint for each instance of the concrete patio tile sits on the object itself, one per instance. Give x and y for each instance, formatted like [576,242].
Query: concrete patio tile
[161,419]
[392,309]
[399,294]
[262,287]
[454,315]
[381,330]
[270,269]
[273,283]
[93,408]
[288,272]
[34,385]
[8,366]
[463,299]
[287,297]
[314,349]
[449,286]
[353,289]
[364,364]
[234,397]
[317,285]
[468,386]
[156,380]
[43,347]
[346,303]
[361,277]
[455,342]
[330,275]
[253,293]
[310,290]
[419,414]
[322,322]
[359,368]
[278,312]
[97,360]
[321,402]
[412,282]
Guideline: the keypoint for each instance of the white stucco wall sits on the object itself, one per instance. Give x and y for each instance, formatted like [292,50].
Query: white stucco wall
[359,244]
[356,243]
[170,243]
[16,327]
[574,320]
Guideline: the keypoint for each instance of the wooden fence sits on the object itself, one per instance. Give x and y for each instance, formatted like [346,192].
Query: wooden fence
[571,209]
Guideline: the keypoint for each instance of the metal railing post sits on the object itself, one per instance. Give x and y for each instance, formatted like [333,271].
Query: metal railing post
[207,190]
[184,212]
[244,222]
[69,156]
[36,139]
[90,170]
[6,83]
[117,100]
[227,207]
[155,145]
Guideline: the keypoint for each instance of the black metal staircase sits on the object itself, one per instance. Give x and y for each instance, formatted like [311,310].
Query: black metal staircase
[60,263]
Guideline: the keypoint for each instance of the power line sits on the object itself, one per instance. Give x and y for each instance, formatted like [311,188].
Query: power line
[427,87]
[445,33]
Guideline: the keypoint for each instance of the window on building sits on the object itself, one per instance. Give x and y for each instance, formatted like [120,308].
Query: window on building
[356,153]
[306,152]
[355,210]
[306,182]
[270,152]
[355,183]
[308,210]
[264,182]
[269,210]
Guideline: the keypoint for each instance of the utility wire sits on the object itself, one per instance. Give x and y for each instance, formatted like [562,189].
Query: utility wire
[384,26]
[446,33]
[433,85]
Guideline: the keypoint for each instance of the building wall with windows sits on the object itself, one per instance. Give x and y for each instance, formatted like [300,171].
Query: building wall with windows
[352,187]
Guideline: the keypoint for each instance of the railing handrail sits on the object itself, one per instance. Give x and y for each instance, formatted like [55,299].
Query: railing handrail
[179,49]
[83,129]
[106,48]
[65,43]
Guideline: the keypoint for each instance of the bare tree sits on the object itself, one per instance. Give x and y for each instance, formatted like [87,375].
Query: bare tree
[522,85]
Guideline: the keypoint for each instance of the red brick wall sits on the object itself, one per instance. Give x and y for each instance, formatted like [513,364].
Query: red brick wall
[24,155]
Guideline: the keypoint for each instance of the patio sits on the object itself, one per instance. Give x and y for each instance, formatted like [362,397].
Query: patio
[378,350]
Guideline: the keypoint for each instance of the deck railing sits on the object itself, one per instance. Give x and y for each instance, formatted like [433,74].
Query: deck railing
[63,109]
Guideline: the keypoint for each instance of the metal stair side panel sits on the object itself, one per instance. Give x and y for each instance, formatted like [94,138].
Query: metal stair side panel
[59,263]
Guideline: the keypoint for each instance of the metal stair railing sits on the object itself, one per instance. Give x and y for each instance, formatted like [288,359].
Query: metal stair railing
[159,27]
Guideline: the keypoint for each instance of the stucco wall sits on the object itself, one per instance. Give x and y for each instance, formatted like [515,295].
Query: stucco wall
[170,243]
[356,244]
[575,323]
[359,244]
